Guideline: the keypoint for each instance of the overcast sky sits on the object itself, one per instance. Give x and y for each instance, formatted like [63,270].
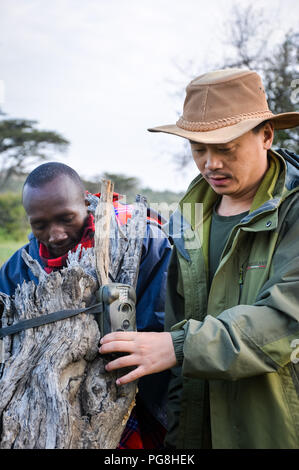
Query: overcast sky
[100,72]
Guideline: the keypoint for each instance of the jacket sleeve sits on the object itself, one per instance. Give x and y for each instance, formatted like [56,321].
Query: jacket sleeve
[248,340]
[175,313]
[14,271]
[151,285]
[11,273]
[150,308]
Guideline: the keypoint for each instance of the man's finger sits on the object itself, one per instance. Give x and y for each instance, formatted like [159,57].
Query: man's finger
[116,346]
[131,376]
[121,362]
[118,336]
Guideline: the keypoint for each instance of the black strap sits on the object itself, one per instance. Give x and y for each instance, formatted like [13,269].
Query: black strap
[49,318]
[291,157]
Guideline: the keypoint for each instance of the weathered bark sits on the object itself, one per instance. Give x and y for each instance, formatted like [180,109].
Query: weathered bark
[54,390]
[102,231]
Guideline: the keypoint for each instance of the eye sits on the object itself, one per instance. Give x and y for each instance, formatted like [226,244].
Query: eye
[67,219]
[38,226]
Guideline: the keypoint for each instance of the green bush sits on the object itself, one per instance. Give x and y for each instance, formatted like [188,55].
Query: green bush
[13,220]
[8,248]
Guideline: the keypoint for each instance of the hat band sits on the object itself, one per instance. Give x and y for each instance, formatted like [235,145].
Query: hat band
[202,126]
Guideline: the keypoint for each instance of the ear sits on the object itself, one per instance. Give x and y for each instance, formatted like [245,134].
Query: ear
[86,201]
[268,135]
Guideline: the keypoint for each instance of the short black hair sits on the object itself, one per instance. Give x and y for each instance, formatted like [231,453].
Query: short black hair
[47,172]
[260,126]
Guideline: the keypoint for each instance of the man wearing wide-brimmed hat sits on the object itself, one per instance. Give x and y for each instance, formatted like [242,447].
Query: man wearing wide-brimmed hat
[233,282]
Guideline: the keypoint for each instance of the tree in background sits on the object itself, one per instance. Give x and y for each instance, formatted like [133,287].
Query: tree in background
[22,144]
[130,186]
[248,41]
[249,36]
[126,185]
[282,83]
[13,220]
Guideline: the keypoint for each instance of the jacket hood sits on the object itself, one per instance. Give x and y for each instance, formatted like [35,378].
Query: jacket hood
[292,166]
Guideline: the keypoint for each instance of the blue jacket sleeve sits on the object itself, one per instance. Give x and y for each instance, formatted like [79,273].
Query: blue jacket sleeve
[15,271]
[151,285]
[151,291]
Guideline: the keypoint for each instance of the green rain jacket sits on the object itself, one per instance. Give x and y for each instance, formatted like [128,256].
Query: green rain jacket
[239,338]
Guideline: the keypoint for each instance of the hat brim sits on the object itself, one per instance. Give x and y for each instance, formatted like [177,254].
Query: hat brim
[226,134]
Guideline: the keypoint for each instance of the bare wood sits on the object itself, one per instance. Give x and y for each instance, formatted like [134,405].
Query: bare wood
[102,230]
[54,390]
[125,242]
[136,231]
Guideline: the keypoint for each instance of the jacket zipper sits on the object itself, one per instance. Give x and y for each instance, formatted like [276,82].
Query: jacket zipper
[241,282]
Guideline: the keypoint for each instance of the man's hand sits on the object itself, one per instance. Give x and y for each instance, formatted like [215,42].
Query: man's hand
[150,352]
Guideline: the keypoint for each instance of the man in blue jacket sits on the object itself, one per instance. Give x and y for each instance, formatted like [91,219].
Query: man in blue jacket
[55,201]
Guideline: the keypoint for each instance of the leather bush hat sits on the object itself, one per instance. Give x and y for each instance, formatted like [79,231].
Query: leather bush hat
[223,105]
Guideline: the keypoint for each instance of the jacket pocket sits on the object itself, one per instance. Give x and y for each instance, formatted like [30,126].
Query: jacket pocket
[256,265]
[252,276]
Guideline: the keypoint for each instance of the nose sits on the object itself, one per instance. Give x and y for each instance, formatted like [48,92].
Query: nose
[213,161]
[57,234]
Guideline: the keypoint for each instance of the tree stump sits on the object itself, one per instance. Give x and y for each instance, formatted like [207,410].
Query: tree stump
[54,390]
